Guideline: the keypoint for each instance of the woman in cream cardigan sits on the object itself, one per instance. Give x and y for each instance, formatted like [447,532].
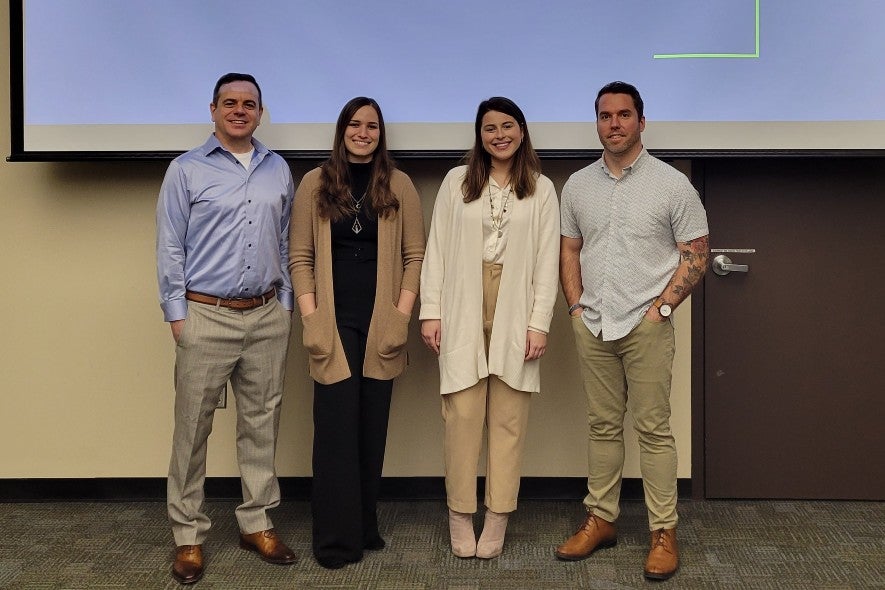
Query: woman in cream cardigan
[488,287]
[355,249]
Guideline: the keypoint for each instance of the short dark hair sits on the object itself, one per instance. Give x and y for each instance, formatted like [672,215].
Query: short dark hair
[235,77]
[619,87]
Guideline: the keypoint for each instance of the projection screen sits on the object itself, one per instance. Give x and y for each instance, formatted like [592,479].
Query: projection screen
[134,78]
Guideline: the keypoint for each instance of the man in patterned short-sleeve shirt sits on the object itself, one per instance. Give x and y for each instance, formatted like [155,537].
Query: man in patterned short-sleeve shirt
[634,244]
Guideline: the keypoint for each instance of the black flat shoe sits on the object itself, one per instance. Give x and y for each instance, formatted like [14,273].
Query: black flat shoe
[375,543]
[331,563]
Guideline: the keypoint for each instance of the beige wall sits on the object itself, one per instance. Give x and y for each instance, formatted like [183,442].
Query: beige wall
[86,360]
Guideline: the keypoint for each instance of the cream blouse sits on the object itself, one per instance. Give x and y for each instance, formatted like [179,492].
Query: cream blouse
[497,205]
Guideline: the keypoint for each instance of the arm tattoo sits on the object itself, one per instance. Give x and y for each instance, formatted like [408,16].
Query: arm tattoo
[693,254]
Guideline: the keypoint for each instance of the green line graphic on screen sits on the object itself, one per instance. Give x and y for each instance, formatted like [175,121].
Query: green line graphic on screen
[755,54]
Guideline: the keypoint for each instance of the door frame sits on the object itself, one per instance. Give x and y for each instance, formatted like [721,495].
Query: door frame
[698,433]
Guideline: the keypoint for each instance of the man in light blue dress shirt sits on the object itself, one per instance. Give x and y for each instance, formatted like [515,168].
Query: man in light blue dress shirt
[222,256]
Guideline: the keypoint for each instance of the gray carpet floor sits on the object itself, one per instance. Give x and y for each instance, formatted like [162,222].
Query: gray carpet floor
[777,545]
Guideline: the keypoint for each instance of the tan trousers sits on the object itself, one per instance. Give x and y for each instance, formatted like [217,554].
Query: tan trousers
[247,348]
[633,372]
[505,412]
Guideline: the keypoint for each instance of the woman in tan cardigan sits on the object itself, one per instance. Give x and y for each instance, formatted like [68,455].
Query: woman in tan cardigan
[356,244]
[488,288]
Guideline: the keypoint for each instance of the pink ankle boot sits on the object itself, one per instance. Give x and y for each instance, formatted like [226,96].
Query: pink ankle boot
[461,532]
[491,541]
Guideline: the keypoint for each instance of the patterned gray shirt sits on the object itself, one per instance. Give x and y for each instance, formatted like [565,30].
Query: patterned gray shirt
[630,227]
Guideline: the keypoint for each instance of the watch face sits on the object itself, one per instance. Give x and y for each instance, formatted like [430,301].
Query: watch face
[665,310]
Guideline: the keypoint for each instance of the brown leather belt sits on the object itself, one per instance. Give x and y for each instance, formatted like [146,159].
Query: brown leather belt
[241,304]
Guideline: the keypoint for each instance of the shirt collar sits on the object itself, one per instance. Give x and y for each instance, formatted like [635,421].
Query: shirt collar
[637,163]
[213,144]
[494,183]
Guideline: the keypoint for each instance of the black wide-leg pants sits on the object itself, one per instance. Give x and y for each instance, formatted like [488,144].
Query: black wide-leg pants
[350,433]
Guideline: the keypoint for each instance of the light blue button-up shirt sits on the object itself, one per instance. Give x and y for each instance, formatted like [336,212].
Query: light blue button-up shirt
[223,230]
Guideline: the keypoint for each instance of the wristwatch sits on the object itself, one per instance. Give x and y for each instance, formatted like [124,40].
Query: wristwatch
[665,309]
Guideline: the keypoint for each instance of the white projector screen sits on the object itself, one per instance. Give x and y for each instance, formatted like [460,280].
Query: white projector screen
[135,76]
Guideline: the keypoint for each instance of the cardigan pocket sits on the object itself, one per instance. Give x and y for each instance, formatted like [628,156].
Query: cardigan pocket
[316,340]
[393,334]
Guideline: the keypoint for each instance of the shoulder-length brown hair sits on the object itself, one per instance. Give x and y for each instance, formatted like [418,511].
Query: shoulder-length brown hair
[526,166]
[333,193]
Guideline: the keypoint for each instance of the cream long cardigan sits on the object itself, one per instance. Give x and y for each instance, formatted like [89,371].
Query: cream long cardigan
[451,285]
[400,251]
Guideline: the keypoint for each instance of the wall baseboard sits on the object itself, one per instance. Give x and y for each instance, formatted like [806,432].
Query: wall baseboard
[134,489]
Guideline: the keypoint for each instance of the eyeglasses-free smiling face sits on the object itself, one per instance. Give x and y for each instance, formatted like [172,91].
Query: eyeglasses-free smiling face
[501,135]
[619,126]
[361,135]
[236,114]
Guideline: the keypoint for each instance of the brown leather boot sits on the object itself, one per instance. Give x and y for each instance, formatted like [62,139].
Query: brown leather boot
[663,559]
[595,533]
[268,547]
[188,565]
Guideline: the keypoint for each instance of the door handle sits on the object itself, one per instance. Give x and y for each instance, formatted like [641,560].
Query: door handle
[722,266]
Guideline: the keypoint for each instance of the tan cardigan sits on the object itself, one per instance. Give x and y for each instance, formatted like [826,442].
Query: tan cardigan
[400,253]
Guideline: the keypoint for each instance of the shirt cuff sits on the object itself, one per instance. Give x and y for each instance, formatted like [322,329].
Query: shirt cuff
[429,312]
[174,309]
[286,299]
[540,322]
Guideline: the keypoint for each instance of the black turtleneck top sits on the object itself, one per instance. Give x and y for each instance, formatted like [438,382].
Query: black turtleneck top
[355,255]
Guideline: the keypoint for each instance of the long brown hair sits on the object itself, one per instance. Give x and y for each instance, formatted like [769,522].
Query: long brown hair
[333,193]
[526,166]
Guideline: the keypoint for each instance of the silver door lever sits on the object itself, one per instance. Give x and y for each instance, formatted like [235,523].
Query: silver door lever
[722,266]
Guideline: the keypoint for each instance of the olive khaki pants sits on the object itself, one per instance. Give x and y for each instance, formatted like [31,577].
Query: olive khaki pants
[633,372]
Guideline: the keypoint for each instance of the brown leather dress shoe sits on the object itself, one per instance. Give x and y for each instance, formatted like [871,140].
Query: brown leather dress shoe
[188,565]
[663,559]
[268,547]
[594,534]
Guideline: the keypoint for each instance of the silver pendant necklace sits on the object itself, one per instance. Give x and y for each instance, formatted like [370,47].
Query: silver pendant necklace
[498,223]
[357,227]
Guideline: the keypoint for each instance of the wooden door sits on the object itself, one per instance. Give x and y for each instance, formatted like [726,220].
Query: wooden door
[794,349]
